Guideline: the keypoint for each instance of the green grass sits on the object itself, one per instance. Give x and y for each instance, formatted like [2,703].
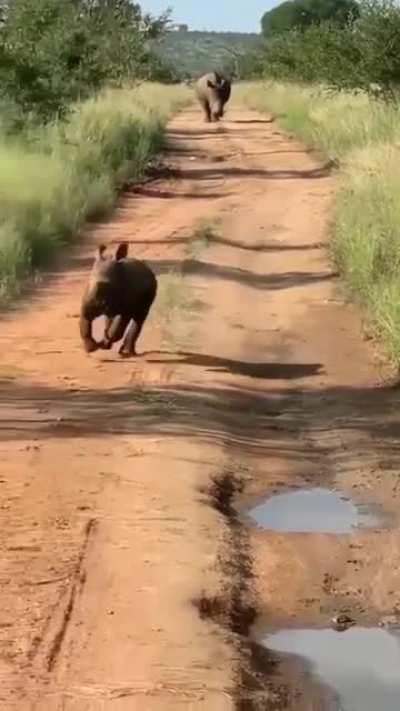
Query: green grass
[336,123]
[55,178]
[364,136]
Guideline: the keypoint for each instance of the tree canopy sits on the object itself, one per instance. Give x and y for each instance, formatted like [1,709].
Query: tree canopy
[299,14]
[55,51]
[363,55]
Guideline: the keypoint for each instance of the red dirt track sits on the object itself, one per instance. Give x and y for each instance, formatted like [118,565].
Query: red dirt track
[113,534]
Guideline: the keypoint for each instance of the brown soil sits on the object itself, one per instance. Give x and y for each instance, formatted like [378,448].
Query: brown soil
[128,580]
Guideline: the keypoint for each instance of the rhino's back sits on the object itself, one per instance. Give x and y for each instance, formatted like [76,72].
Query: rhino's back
[139,281]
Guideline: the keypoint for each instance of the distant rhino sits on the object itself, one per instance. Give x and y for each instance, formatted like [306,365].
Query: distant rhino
[213,92]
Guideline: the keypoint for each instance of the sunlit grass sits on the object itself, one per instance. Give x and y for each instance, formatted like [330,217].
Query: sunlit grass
[337,123]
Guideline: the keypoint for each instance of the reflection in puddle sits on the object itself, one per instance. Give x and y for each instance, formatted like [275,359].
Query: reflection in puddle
[311,511]
[361,665]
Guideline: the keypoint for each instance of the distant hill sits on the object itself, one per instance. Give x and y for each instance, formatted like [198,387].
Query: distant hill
[192,53]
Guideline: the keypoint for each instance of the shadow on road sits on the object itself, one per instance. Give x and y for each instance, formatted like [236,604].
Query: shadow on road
[257,419]
[272,282]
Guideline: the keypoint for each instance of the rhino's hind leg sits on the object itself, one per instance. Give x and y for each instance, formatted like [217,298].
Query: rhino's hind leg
[128,347]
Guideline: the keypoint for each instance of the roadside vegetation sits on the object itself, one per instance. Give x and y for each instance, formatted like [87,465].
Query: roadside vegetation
[335,86]
[79,117]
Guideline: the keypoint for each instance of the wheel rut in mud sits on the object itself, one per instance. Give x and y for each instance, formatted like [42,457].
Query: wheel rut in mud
[76,587]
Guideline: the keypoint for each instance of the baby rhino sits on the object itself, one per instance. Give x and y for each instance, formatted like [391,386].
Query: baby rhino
[123,291]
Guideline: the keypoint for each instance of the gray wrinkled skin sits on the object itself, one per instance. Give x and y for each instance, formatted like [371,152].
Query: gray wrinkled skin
[213,92]
[122,290]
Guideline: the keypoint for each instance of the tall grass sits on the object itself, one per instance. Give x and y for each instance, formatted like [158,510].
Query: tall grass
[336,123]
[54,178]
[364,136]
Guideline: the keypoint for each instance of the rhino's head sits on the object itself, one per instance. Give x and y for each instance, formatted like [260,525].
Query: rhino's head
[105,280]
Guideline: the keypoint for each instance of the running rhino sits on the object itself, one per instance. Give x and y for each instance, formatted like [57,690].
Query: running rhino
[122,290]
[213,92]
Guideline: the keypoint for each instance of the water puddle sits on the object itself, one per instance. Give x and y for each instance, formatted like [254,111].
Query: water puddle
[362,666]
[312,511]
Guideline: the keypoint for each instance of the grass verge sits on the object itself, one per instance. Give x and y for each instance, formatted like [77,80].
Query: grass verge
[55,178]
[364,136]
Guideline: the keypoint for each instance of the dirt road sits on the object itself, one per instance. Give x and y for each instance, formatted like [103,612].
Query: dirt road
[128,580]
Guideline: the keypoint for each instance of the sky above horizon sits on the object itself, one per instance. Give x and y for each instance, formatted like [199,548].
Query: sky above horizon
[218,15]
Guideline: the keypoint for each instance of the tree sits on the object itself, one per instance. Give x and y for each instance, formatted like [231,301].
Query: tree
[55,51]
[299,14]
[363,55]
[287,16]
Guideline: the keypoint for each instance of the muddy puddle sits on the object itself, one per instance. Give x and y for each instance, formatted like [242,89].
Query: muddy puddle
[361,666]
[312,511]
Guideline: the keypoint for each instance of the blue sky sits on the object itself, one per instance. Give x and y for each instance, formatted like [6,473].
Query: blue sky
[236,15]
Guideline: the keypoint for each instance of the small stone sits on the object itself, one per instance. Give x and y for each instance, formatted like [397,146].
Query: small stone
[342,622]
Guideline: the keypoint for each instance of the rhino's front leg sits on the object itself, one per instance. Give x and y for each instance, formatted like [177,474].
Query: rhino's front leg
[114,330]
[85,326]
[106,343]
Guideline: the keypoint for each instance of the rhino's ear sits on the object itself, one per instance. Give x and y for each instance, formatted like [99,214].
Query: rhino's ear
[100,253]
[122,251]
[210,84]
